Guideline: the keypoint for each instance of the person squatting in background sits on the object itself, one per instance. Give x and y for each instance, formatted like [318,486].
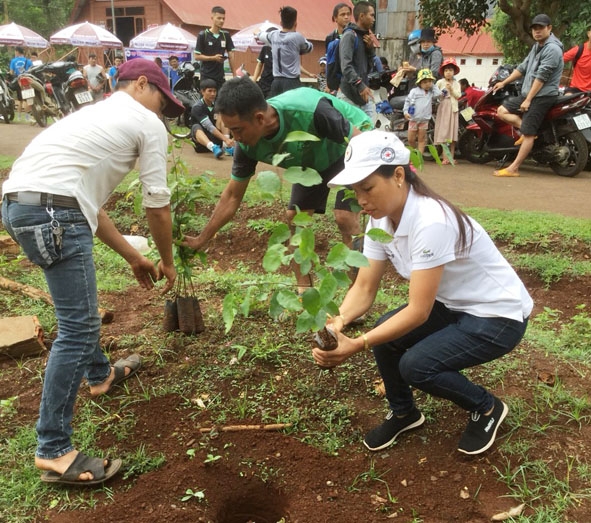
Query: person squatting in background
[207,132]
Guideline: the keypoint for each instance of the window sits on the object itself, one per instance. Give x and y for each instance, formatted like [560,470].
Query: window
[478,61]
[495,61]
[462,61]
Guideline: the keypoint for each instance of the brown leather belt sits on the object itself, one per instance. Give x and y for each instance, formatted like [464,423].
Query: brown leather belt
[40,198]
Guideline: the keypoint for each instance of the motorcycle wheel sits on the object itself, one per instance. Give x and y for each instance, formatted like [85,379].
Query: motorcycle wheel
[39,113]
[577,158]
[472,148]
[4,112]
[400,128]
[178,127]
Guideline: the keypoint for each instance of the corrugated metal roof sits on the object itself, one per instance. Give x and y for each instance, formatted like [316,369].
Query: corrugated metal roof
[314,16]
[455,43]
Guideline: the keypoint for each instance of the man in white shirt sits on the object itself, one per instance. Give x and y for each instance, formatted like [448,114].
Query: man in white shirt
[52,206]
[95,75]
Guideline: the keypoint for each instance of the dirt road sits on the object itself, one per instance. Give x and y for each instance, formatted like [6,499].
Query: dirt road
[538,189]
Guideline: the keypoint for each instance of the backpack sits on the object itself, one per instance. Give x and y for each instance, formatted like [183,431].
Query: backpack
[578,55]
[333,62]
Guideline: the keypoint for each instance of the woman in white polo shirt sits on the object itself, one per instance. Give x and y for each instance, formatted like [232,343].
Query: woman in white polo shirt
[466,305]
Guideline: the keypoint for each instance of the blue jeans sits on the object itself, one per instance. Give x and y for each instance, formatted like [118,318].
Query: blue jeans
[431,357]
[70,275]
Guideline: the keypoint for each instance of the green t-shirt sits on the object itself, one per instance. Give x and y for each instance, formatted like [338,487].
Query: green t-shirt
[304,109]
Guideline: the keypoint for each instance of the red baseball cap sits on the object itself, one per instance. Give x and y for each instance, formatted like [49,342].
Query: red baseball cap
[136,67]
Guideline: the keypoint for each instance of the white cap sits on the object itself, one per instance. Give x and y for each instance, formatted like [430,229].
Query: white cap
[368,151]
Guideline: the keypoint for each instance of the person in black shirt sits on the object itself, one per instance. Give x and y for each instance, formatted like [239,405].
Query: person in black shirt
[213,46]
[263,73]
[206,133]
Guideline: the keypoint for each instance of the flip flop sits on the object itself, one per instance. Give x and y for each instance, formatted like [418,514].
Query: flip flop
[133,362]
[84,463]
[504,173]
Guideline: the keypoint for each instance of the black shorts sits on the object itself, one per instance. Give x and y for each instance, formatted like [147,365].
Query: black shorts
[532,118]
[315,197]
[199,148]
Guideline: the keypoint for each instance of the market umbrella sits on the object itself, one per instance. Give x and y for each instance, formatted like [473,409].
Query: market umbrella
[14,34]
[86,35]
[166,36]
[247,38]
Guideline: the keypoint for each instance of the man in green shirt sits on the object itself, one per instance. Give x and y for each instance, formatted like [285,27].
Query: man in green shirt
[260,126]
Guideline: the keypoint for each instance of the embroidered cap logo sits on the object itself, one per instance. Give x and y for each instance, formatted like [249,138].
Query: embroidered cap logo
[388,154]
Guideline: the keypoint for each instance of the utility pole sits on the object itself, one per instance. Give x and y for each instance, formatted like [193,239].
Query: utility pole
[6,11]
[112,16]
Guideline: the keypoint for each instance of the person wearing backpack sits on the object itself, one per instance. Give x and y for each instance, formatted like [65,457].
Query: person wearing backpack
[580,56]
[356,53]
[341,16]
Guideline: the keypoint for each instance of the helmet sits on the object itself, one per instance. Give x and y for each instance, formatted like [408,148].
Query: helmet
[449,62]
[502,73]
[187,69]
[414,37]
[424,74]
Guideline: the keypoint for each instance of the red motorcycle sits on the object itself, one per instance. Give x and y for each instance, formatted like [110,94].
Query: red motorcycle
[563,138]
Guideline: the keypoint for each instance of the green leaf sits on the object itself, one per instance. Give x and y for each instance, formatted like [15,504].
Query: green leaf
[274,257]
[379,235]
[307,243]
[278,158]
[274,308]
[357,259]
[337,256]
[302,219]
[305,323]
[416,158]
[280,234]
[304,176]
[289,300]
[300,136]
[434,152]
[268,182]
[229,311]
[342,278]
[311,300]
[332,309]
[327,288]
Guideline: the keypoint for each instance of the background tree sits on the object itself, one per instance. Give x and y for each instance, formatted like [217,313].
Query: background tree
[46,17]
[509,20]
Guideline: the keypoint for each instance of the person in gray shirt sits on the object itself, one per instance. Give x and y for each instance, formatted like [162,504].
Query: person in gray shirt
[287,46]
[541,72]
[357,52]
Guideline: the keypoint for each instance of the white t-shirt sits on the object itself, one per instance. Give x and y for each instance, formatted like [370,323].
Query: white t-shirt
[88,153]
[480,282]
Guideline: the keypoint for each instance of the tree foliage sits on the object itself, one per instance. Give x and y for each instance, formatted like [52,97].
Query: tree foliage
[473,15]
[511,20]
[43,16]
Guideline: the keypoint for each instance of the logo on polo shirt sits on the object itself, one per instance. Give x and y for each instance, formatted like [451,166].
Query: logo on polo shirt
[427,253]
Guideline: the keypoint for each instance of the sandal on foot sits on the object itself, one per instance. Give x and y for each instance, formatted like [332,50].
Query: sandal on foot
[505,173]
[83,463]
[133,362]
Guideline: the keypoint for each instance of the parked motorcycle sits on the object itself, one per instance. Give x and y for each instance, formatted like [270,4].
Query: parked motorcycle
[76,91]
[6,101]
[563,138]
[186,89]
[38,93]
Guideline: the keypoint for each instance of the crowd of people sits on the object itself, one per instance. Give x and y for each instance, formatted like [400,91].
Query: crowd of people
[466,305]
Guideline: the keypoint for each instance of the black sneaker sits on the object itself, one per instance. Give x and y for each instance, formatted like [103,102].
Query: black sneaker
[481,431]
[384,435]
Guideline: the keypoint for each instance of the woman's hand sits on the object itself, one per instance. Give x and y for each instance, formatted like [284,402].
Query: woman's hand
[345,349]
